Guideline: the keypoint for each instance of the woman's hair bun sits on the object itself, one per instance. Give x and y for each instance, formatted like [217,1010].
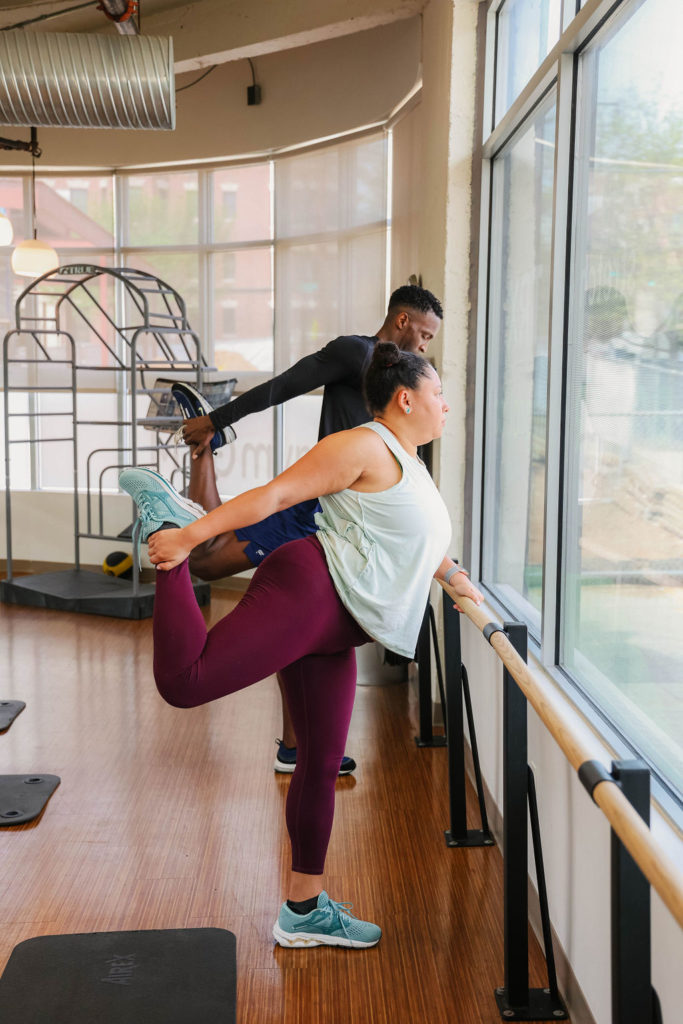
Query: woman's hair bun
[386,354]
[391,368]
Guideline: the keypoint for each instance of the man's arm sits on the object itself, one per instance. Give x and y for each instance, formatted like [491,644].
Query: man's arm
[332,363]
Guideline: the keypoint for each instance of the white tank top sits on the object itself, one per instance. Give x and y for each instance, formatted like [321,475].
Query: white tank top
[383,549]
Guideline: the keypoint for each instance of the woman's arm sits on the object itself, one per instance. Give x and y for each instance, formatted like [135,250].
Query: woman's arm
[334,463]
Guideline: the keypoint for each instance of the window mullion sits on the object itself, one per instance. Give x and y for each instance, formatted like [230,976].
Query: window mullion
[474,555]
[556,360]
[205,233]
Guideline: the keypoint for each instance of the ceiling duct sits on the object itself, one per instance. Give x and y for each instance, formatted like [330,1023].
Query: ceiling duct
[86,81]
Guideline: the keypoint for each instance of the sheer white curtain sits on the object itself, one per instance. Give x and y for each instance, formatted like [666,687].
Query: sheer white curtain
[330,245]
[406,197]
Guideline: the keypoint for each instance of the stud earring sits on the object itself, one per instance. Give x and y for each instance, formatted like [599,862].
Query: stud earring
[408,410]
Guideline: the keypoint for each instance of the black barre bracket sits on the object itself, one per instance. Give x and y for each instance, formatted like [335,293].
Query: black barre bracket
[490,628]
[591,774]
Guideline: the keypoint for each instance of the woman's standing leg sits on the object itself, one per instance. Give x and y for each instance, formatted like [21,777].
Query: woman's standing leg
[320,691]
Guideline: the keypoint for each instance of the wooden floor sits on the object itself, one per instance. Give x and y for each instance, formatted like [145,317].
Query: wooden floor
[168,818]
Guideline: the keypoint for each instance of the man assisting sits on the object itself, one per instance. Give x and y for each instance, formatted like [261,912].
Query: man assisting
[413,319]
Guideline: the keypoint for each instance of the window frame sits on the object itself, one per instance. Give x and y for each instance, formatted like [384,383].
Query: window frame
[560,68]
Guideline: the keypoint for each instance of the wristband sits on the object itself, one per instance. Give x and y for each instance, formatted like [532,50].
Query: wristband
[451,572]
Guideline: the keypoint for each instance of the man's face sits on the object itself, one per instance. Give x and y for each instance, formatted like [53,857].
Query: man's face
[413,330]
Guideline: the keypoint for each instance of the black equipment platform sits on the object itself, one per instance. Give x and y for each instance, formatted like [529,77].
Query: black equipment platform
[76,590]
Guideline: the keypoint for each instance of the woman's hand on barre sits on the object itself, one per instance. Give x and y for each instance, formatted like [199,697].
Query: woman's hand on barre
[168,548]
[463,586]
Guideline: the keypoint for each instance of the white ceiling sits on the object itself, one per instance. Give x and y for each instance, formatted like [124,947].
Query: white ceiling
[207,32]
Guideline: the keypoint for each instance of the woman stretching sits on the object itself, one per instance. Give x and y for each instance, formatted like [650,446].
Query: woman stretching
[365,575]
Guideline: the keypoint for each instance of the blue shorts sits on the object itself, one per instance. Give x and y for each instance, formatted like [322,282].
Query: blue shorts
[290,524]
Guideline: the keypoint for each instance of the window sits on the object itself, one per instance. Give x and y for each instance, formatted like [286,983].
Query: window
[229,204]
[210,235]
[163,209]
[76,213]
[243,310]
[330,252]
[623,597]
[228,320]
[228,268]
[242,200]
[582,370]
[527,31]
[518,362]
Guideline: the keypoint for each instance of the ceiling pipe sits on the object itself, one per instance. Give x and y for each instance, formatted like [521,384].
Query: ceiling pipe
[86,81]
[124,13]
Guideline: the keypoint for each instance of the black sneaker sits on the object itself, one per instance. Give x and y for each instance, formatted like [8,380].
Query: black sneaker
[285,761]
[192,404]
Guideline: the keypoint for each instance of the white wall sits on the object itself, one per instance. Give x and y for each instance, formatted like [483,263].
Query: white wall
[448,96]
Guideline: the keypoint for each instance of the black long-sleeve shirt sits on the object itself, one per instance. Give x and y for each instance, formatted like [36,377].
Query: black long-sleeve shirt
[338,368]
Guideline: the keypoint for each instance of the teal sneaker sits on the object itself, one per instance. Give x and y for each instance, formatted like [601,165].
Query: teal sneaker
[157,501]
[330,924]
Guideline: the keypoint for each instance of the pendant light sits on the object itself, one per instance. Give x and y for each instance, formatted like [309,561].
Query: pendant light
[33,258]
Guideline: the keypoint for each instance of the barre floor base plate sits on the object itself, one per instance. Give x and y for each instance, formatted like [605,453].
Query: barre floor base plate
[23,797]
[77,590]
[9,709]
[176,976]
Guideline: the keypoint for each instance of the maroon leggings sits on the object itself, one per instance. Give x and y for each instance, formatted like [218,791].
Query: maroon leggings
[292,621]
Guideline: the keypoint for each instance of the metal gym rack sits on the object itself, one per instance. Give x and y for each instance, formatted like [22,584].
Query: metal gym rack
[112,331]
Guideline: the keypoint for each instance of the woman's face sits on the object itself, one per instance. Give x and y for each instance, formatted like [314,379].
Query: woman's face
[428,407]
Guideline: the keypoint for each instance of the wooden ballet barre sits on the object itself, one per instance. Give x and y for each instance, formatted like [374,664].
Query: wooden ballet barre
[661,872]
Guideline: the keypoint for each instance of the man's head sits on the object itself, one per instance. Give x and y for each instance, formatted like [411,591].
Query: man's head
[413,318]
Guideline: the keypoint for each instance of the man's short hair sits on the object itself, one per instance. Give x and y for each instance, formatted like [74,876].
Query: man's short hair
[411,296]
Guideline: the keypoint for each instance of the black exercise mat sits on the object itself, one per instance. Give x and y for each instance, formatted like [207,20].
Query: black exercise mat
[22,797]
[9,709]
[183,976]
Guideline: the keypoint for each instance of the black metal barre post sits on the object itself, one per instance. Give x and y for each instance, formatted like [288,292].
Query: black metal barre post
[456,687]
[634,1000]
[516,1001]
[423,657]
